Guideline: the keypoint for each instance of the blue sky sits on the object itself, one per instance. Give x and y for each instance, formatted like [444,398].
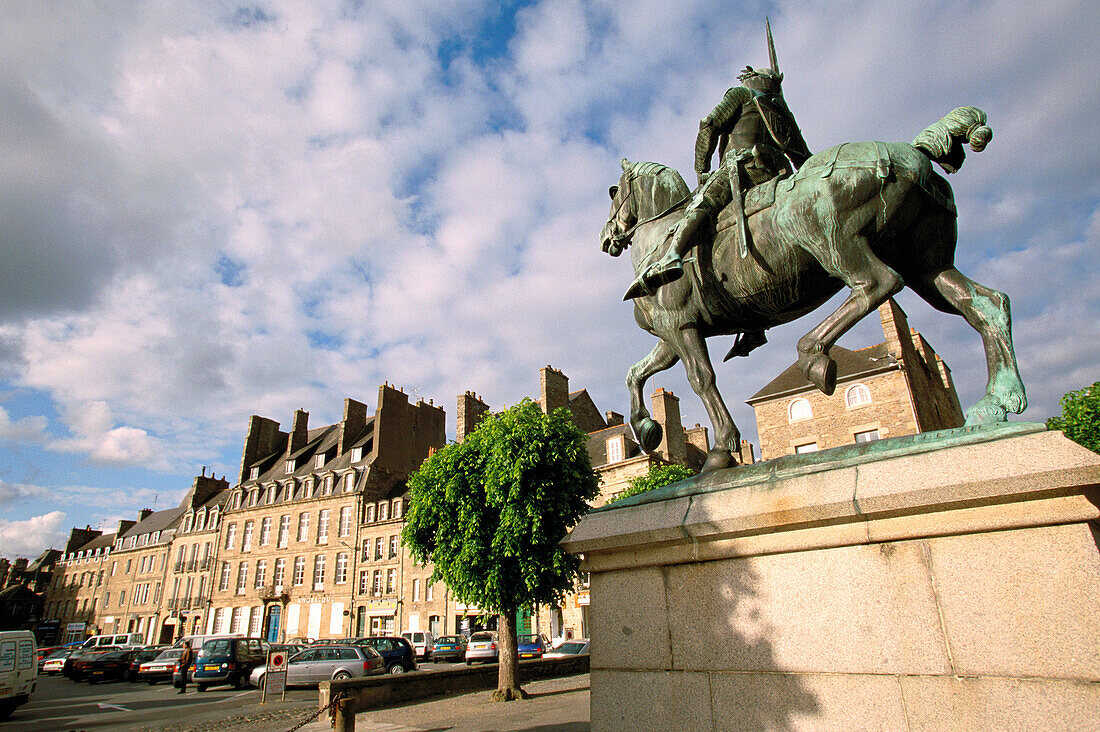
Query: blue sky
[210,210]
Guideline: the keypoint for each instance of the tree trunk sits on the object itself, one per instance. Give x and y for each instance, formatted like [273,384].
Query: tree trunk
[508,657]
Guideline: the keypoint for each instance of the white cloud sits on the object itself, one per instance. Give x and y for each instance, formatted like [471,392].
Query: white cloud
[31,537]
[25,429]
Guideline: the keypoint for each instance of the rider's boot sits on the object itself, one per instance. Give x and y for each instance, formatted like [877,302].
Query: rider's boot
[670,267]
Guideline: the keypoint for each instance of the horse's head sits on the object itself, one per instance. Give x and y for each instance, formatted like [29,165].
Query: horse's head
[614,237]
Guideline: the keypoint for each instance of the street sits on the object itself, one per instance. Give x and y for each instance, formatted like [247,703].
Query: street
[61,704]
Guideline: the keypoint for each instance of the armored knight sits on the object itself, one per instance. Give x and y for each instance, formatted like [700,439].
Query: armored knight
[757,139]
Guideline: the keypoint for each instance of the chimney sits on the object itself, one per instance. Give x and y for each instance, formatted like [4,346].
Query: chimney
[553,389]
[144,514]
[80,537]
[895,329]
[470,411]
[614,419]
[203,488]
[747,455]
[263,439]
[699,437]
[299,432]
[666,412]
[124,525]
[352,426]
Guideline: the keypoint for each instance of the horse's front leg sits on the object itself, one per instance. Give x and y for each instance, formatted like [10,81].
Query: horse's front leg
[693,351]
[645,428]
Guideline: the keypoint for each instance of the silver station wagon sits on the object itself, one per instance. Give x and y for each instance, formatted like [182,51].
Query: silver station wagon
[325,663]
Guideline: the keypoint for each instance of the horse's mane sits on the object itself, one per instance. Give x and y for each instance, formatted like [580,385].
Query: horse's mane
[666,187]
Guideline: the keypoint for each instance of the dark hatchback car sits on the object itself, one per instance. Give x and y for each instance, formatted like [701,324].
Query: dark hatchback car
[76,663]
[530,645]
[397,652]
[449,648]
[141,656]
[228,661]
[110,666]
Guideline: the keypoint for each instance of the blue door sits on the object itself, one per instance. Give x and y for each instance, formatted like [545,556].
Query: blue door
[273,624]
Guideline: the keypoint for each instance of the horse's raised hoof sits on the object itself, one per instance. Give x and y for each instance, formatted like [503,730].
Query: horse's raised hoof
[821,372]
[985,411]
[649,434]
[718,459]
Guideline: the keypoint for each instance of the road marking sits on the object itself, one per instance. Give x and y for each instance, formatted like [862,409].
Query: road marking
[101,705]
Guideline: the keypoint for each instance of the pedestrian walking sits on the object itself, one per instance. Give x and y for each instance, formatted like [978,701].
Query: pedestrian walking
[185,663]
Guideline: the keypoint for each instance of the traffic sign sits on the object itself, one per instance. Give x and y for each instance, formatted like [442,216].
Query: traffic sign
[276,661]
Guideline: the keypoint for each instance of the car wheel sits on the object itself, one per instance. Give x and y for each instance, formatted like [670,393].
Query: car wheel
[341,675]
[200,687]
[396,669]
[240,679]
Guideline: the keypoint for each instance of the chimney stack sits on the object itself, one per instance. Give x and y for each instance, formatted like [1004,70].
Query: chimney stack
[263,439]
[299,432]
[471,409]
[553,389]
[666,412]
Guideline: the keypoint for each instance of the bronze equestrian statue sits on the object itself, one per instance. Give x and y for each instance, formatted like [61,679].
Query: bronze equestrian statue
[873,216]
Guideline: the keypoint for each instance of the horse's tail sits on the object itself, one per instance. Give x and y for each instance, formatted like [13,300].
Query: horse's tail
[942,140]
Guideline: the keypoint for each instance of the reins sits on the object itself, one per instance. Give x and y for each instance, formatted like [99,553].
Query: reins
[626,235]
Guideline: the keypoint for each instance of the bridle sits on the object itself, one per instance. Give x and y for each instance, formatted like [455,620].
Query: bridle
[622,241]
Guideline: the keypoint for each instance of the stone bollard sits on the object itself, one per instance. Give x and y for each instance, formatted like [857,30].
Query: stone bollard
[344,719]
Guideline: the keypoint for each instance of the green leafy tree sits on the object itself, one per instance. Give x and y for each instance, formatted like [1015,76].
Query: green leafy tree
[1080,418]
[658,476]
[489,512]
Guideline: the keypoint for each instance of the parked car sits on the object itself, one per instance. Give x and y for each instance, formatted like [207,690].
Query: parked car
[569,648]
[109,666]
[228,661]
[74,664]
[141,656]
[482,646]
[54,662]
[42,653]
[18,670]
[290,649]
[160,668]
[397,651]
[530,645]
[449,648]
[325,663]
[301,641]
[421,641]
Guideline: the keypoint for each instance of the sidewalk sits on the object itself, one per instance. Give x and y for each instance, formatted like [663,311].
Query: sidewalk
[555,705]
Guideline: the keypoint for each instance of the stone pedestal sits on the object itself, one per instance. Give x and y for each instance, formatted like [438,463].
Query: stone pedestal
[946,581]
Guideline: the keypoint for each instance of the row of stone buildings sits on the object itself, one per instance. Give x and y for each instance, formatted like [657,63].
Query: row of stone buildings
[305,541]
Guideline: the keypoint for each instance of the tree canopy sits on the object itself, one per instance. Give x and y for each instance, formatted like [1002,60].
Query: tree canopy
[659,475]
[1080,418]
[489,512]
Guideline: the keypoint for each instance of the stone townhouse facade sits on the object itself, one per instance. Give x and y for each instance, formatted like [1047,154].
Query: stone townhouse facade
[308,545]
[898,387]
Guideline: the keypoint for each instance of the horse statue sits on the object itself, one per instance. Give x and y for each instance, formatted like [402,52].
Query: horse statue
[873,216]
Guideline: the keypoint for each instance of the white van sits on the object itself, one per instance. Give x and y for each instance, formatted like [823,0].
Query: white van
[421,641]
[18,669]
[116,639]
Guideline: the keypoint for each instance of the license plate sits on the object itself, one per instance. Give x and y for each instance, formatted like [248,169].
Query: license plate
[210,668]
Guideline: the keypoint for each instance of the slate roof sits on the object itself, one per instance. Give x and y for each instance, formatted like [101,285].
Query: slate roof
[103,541]
[156,521]
[319,440]
[849,365]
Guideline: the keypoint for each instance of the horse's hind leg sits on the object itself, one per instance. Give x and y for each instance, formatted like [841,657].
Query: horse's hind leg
[645,428]
[871,281]
[987,311]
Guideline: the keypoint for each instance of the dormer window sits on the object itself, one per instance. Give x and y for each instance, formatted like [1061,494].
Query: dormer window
[326,487]
[155,537]
[383,511]
[290,465]
[397,508]
[349,482]
[356,454]
[200,521]
[188,522]
[271,492]
[319,460]
[237,498]
[615,449]
[254,474]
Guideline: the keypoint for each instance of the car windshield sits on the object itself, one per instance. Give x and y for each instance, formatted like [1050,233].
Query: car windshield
[216,648]
[526,639]
[571,647]
[170,655]
[481,637]
[447,639]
